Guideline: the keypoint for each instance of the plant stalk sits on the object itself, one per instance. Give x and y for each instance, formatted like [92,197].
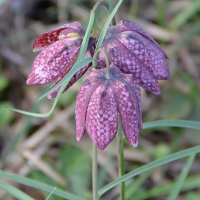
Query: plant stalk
[94,173]
[120,147]
[105,4]
[108,74]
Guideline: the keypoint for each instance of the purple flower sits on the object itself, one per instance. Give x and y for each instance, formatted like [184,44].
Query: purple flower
[135,52]
[59,49]
[99,101]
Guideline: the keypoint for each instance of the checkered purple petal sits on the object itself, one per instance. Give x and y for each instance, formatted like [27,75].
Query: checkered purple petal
[53,60]
[102,117]
[52,36]
[82,102]
[128,111]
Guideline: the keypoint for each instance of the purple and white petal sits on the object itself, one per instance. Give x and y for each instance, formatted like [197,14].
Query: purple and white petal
[82,101]
[129,63]
[102,117]
[126,25]
[146,52]
[127,110]
[136,88]
[101,61]
[77,75]
[52,36]
[53,60]
[94,72]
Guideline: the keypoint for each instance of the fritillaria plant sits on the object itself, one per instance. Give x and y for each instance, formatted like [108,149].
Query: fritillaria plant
[124,58]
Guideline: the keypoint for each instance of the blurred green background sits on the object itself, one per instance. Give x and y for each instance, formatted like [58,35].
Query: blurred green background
[46,149]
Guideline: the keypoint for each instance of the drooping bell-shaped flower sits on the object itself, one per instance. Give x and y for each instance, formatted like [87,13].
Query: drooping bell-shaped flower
[99,101]
[59,49]
[135,52]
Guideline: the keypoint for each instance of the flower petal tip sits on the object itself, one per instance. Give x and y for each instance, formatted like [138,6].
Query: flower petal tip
[157,92]
[101,146]
[34,80]
[78,138]
[29,81]
[49,96]
[134,145]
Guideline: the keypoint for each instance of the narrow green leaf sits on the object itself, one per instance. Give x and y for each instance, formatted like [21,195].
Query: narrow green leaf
[191,183]
[86,38]
[2,1]
[46,114]
[149,166]
[136,184]
[14,191]
[80,61]
[183,16]
[63,82]
[69,75]
[50,194]
[194,30]
[39,185]
[110,6]
[104,30]
[181,179]
[172,123]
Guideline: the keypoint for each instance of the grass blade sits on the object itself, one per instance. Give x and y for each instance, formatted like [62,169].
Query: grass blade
[86,38]
[181,18]
[172,123]
[191,183]
[150,166]
[108,21]
[63,82]
[50,194]
[181,179]
[14,191]
[69,75]
[39,185]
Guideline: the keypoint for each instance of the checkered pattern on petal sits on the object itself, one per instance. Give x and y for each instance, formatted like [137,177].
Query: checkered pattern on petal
[126,25]
[136,88]
[53,60]
[146,52]
[77,75]
[93,72]
[129,63]
[82,101]
[52,36]
[128,111]
[102,117]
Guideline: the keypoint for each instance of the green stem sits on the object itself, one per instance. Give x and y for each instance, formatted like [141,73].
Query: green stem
[105,4]
[94,173]
[108,75]
[120,146]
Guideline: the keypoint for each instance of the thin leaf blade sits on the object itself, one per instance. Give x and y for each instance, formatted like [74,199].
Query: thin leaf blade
[14,191]
[172,123]
[108,21]
[39,185]
[181,179]
[63,83]
[150,166]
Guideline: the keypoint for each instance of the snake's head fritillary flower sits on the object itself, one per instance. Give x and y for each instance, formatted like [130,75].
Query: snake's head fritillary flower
[59,49]
[135,52]
[99,101]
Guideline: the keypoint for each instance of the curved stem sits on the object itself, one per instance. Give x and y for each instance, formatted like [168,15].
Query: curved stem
[86,38]
[94,173]
[93,32]
[120,146]
[106,6]
[106,58]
